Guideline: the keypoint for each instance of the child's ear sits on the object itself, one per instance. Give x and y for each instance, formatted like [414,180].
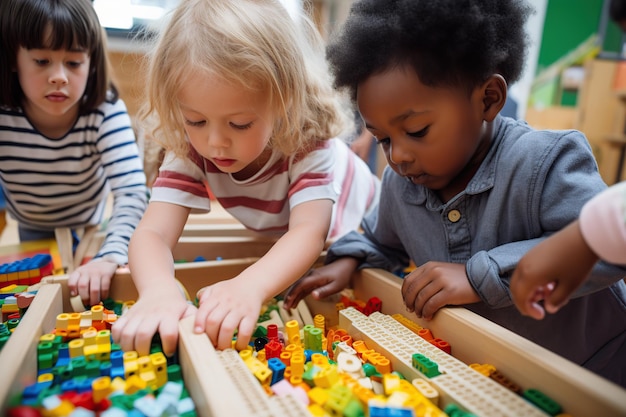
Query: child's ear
[494,96]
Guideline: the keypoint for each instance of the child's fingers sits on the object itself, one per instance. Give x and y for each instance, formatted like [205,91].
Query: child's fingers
[527,299]
[300,289]
[227,330]
[95,290]
[244,333]
[168,333]
[560,296]
[124,332]
[328,289]
[203,310]
[534,310]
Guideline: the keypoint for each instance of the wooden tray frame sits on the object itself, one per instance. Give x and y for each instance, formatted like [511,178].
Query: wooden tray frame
[579,391]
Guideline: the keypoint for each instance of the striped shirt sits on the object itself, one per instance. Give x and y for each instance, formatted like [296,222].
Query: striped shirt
[65,182]
[263,202]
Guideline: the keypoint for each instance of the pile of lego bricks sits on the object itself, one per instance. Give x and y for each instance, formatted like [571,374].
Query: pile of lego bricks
[371,364]
[14,301]
[81,372]
[27,271]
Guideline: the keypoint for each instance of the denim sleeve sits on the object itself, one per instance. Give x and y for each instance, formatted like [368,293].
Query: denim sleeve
[378,246]
[562,177]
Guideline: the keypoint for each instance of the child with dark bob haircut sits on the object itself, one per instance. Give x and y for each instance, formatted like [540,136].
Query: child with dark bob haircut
[66,140]
[467,191]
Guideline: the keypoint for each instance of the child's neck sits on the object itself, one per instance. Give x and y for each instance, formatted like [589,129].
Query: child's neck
[254,167]
[465,176]
[52,126]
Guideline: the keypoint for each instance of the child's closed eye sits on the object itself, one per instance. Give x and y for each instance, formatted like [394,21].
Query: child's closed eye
[420,133]
[192,123]
[241,127]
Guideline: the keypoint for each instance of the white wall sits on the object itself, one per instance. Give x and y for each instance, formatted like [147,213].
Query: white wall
[520,91]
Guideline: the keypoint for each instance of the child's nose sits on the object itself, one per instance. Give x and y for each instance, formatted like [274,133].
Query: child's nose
[217,138]
[398,154]
[57,75]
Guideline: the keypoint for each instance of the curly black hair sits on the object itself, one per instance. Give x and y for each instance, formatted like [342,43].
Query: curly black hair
[447,42]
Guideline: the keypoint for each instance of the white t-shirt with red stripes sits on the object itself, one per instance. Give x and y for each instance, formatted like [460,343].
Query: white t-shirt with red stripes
[263,202]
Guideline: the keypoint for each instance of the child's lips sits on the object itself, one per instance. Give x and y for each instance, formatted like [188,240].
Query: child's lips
[223,162]
[56,97]
[417,179]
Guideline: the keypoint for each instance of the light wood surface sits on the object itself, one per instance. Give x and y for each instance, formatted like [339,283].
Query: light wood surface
[18,358]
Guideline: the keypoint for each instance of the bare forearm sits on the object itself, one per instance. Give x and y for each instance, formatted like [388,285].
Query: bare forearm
[151,262]
[289,259]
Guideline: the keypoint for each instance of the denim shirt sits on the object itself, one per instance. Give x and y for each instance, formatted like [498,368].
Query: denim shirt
[531,184]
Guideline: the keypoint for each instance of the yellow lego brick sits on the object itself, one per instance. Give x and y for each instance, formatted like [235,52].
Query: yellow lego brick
[292,330]
[259,370]
[90,352]
[134,383]
[97,313]
[62,321]
[297,364]
[118,385]
[391,383]
[150,378]
[10,308]
[408,323]
[8,289]
[485,369]
[159,365]
[73,321]
[326,377]
[144,364]
[103,339]
[48,377]
[130,368]
[318,395]
[101,388]
[76,347]
[317,411]
[320,360]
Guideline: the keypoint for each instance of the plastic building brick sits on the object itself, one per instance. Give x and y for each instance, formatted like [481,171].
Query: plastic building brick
[80,373]
[26,271]
[425,365]
[457,382]
[373,304]
[542,401]
[505,382]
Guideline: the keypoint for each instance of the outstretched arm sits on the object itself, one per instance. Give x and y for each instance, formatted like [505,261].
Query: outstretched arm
[322,282]
[551,271]
[123,169]
[161,303]
[235,304]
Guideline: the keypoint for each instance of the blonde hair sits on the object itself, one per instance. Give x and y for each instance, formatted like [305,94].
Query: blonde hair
[254,44]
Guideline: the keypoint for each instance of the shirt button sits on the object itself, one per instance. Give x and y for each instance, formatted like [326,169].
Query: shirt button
[454,216]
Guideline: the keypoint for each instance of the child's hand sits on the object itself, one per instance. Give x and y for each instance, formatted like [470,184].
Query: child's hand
[321,282]
[434,285]
[159,312]
[551,271]
[227,306]
[92,281]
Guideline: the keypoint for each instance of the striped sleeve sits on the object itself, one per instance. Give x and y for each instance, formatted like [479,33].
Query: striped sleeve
[125,175]
[181,181]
